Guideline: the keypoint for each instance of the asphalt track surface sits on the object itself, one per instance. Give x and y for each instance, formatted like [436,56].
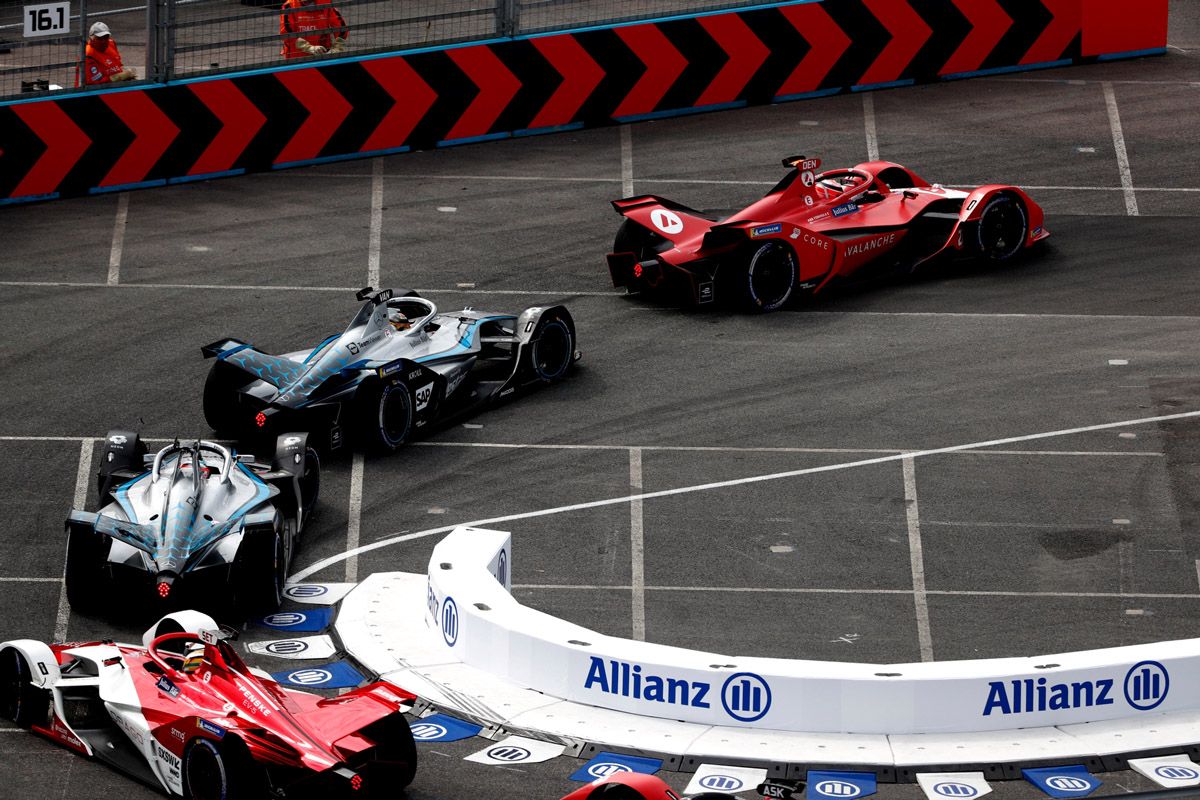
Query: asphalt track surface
[1038,546]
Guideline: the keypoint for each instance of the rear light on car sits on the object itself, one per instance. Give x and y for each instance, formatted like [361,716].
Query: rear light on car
[637,270]
[356,782]
[164,590]
[260,419]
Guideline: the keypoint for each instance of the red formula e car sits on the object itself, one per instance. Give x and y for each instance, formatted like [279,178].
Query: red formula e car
[182,713]
[812,229]
[638,786]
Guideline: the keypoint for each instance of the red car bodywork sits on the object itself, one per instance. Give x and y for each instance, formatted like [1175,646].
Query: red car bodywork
[625,786]
[833,224]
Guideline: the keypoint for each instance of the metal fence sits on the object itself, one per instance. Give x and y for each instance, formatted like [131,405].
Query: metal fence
[43,43]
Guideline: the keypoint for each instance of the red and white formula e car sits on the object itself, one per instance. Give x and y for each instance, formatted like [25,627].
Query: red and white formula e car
[811,229]
[638,786]
[184,714]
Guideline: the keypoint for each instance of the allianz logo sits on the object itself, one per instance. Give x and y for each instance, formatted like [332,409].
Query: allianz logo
[1145,687]
[744,696]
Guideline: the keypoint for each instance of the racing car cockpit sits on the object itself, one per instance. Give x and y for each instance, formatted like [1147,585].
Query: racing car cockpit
[410,314]
[849,185]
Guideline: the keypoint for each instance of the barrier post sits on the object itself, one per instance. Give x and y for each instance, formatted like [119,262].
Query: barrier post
[508,17]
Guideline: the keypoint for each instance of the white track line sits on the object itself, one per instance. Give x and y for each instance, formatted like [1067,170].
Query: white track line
[626,161]
[1114,120]
[118,240]
[30,580]
[263,288]
[869,125]
[326,562]
[83,478]
[831,590]
[376,223]
[916,556]
[637,547]
[354,520]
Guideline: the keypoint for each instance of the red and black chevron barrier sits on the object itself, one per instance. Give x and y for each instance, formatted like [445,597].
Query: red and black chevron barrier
[115,139]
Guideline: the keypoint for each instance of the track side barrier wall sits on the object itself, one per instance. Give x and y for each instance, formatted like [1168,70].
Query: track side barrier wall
[122,138]
[481,625]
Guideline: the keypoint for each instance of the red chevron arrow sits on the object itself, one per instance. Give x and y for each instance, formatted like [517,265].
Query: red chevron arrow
[413,98]
[746,55]
[64,141]
[1067,22]
[828,42]
[497,87]
[240,121]
[580,73]
[909,34]
[989,24]
[327,110]
[664,64]
[153,130]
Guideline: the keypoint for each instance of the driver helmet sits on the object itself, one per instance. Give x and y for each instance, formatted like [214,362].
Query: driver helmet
[193,657]
[399,321]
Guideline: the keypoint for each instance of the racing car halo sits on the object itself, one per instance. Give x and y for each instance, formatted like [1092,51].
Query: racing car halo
[184,714]
[193,522]
[811,229]
[398,366]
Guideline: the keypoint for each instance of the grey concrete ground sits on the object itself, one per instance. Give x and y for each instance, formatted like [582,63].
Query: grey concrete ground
[1038,546]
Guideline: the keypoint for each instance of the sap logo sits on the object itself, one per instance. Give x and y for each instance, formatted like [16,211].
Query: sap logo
[625,679]
[766,230]
[508,753]
[310,677]
[606,768]
[666,221]
[1175,772]
[722,783]
[954,789]
[308,590]
[746,696]
[286,619]
[287,647]
[428,731]
[837,789]
[450,621]
[1146,685]
[1068,783]
[423,396]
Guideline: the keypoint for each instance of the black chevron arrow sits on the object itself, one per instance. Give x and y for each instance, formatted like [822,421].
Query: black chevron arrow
[622,69]
[20,148]
[284,116]
[197,128]
[786,47]
[538,78]
[949,27]
[369,104]
[1030,19]
[705,58]
[110,139]
[455,93]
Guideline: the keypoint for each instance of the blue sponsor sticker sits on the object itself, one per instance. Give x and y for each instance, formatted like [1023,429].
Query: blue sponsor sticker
[843,210]
[840,785]
[210,728]
[326,676]
[1071,781]
[766,230]
[165,686]
[442,728]
[307,621]
[604,764]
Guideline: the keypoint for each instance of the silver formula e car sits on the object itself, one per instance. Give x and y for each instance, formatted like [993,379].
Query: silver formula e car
[193,524]
[400,365]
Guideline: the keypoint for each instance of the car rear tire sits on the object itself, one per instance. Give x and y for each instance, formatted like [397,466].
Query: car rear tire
[260,573]
[633,238]
[86,574]
[551,349]
[310,488]
[20,701]
[220,397]
[1003,228]
[385,416]
[770,277]
[221,771]
[396,763]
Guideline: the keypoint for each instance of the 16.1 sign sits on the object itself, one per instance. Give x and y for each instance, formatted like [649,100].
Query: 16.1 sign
[47,19]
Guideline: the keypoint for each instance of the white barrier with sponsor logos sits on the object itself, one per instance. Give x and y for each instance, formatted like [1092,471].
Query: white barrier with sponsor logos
[482,625]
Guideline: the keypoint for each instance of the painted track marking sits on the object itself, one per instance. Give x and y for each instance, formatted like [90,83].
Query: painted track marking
[862,590]
[916,555]
[869,126]
[82,478]
[1114,121]
[626,161]
[118,239]
[637,547]
[326,562]
[376,223]
[354,520]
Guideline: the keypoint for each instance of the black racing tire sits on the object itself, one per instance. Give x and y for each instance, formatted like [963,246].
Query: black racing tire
[770,276]
[310,488]
[551,349]
[1002,229]
[86,575]
[20,701]
[385,416]
[395,763]
[260,572]
[220,397]
[221,771]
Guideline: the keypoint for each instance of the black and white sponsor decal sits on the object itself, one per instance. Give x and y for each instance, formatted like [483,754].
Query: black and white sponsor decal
[666,221]
[721,778]
[321,594]
[424,395]
[298,648]
[516,750]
